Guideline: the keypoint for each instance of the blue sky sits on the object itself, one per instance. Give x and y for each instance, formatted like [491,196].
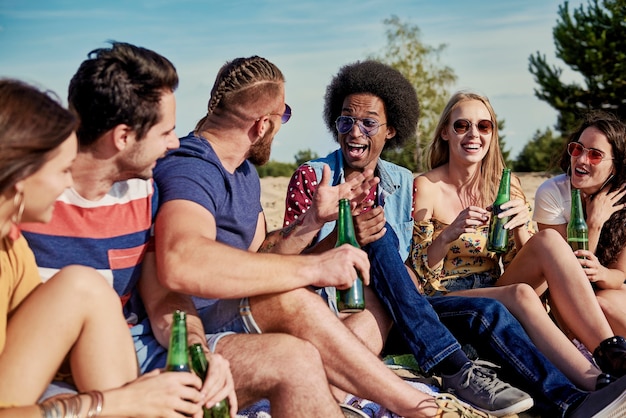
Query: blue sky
[488,45]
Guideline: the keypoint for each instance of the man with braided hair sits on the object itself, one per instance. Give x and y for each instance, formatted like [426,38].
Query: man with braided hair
[210,226]
[124,96]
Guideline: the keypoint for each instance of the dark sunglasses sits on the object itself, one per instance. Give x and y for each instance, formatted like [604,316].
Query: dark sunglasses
[461,126]
[595,156]
[284,117]
[368,126]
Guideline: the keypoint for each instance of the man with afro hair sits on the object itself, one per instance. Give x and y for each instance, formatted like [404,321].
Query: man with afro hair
[369,106]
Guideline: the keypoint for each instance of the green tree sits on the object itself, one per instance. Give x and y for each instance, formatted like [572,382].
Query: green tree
[279,169]
[421,65]
[303,156]
[276,169]
[592,42]
[540,153]
[505,153]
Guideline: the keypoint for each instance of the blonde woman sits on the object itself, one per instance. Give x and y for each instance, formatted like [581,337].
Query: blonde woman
[449,242]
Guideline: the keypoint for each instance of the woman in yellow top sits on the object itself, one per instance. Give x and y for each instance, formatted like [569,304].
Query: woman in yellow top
[450,235]
[72,315]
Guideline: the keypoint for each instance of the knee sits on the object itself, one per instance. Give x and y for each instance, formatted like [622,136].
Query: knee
[524,294]
[292,357]
[296,301]
[86,284]
[551,240]
[523,300]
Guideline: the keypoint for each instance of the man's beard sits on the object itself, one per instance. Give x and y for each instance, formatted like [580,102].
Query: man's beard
[261,150]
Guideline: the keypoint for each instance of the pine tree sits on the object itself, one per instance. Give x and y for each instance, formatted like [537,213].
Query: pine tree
[541,153]
[592,42]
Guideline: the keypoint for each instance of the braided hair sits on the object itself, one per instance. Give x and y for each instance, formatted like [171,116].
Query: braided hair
[241,83]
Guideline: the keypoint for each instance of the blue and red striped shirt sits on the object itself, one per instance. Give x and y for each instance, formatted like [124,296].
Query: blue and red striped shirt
[111,235]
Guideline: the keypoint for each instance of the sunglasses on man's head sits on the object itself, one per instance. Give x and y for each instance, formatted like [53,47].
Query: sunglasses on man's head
[595,156]
[368,126]
[461,126]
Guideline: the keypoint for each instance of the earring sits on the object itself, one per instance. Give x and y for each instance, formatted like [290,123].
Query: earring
[18,203]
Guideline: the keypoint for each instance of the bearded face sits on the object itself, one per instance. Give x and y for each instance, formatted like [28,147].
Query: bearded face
[260,151]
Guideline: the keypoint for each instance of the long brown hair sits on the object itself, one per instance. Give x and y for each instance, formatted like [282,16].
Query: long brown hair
[493,162]
[613,233]
[32,124]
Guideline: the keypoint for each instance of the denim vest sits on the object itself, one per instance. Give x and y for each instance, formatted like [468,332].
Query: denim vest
[395,195]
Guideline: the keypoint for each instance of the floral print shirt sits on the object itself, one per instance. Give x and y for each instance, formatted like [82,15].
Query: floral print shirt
[300,191]
[467,255]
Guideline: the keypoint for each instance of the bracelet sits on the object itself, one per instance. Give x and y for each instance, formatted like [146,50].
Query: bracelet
[71,406]
[96,403]
[75,403]
[50,409]
[65,408]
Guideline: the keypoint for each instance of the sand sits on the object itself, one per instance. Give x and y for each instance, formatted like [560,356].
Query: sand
[274,189]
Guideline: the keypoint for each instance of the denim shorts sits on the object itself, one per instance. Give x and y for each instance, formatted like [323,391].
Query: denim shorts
[473,281]
[329,294]
[228,315]
[58,388]
[231,316]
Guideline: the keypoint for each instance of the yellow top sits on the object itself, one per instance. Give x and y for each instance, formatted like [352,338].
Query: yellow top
[18,277]
[467,255]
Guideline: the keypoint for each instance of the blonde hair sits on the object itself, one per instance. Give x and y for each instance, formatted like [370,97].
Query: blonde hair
[493,162]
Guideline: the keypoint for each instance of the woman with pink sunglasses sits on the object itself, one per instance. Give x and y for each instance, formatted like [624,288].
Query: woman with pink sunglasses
[449,252]
[594,162]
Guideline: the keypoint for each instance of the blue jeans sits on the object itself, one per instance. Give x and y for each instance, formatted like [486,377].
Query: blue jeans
[471,281]
[433,328]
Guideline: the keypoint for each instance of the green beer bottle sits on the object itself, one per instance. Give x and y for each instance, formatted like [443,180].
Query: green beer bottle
[348,300]
[577,231]
[200,366]
[498,239]
[177,357]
